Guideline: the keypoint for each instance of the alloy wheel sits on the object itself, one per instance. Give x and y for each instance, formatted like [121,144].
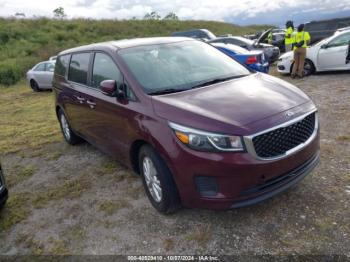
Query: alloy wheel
[65,127]
[152,181]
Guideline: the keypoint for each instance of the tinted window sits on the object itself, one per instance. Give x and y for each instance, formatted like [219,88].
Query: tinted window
[50,67]
[62,65]
[340,41]
[78,68]
[104,69]
[40,67]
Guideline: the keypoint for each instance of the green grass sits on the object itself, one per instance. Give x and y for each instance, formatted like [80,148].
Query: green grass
[25,42]
[20,175]
[16,210]
[28,119]
[109,207]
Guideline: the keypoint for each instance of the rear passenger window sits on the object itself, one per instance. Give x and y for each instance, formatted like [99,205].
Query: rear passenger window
[62,65]
[50,67]
[104,69]
[78,68]
[40,67]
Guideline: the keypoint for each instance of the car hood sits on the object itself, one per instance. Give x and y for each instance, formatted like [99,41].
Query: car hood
[235,103]
[287,55]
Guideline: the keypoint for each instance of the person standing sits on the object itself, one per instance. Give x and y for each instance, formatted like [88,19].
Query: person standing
[288,37]
[270,37]
[301,40]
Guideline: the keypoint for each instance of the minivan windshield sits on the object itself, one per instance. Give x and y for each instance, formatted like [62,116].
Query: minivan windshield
[175,67]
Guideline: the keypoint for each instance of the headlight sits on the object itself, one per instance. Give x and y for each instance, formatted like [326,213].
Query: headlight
[206,141]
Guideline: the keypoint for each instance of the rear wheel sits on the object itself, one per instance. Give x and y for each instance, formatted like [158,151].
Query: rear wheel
[158,181]
[67,132]
[34,85]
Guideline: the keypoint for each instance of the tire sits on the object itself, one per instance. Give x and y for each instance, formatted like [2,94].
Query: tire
[309,67]
[67,132]
[168,200]
[34,85]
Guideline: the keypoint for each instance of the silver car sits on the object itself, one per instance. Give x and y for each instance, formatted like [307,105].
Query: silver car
[40,76]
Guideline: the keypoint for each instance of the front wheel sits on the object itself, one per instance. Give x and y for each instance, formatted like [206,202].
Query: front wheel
[308,68]
[34,85]
[67,132]
[158,181]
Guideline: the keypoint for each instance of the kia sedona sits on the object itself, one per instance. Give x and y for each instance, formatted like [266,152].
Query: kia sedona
[201,129]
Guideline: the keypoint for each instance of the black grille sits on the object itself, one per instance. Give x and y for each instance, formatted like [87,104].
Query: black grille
[278,141]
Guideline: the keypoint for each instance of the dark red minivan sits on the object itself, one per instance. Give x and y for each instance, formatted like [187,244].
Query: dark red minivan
[201,129]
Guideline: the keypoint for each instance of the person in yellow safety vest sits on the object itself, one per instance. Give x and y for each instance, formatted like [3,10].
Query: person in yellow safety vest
[269,37]
[288,37]
[301,40]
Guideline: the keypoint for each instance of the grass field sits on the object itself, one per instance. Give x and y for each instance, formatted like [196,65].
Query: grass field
[27,119]
[25,42]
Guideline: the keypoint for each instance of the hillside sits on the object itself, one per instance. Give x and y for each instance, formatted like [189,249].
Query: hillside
[26,42]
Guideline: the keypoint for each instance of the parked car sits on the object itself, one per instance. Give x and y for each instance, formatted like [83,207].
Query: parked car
[253,59]
[53,58]
[40,76]
[3,189]
[200,128]
[329,54]
[271,52]
[277,39]
[202,34]
[322,29]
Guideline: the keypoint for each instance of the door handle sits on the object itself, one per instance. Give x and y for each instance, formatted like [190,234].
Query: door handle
[91,104]
[80,99]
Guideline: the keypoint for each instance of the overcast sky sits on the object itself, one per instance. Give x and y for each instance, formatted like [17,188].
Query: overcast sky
[239,11]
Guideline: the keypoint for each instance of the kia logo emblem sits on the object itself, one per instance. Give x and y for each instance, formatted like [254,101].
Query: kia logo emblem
[289,114]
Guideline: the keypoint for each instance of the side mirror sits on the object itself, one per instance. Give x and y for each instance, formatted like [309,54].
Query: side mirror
[108,87]
[324,46]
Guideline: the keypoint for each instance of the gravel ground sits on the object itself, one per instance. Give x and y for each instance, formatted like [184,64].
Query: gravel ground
[76,200]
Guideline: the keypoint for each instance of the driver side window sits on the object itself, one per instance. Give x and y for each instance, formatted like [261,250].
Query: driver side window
[340,41]
[104,69]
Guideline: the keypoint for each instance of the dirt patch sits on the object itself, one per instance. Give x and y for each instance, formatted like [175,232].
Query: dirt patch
[76,200]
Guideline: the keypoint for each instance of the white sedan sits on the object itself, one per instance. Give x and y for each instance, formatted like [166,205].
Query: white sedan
[330,54]
[40,76]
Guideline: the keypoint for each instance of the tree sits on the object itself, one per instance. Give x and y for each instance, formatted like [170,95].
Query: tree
[59,13]
[152,16]
[171,16]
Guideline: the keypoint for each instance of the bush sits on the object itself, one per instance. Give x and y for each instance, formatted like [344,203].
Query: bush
[9,74]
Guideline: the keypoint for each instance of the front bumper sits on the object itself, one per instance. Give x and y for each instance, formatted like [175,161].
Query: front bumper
[277,185]
[283,66]
[240,179]
[3,189]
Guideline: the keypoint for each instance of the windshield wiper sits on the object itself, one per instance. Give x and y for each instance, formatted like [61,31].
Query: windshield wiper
[166,91]
[216,80]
